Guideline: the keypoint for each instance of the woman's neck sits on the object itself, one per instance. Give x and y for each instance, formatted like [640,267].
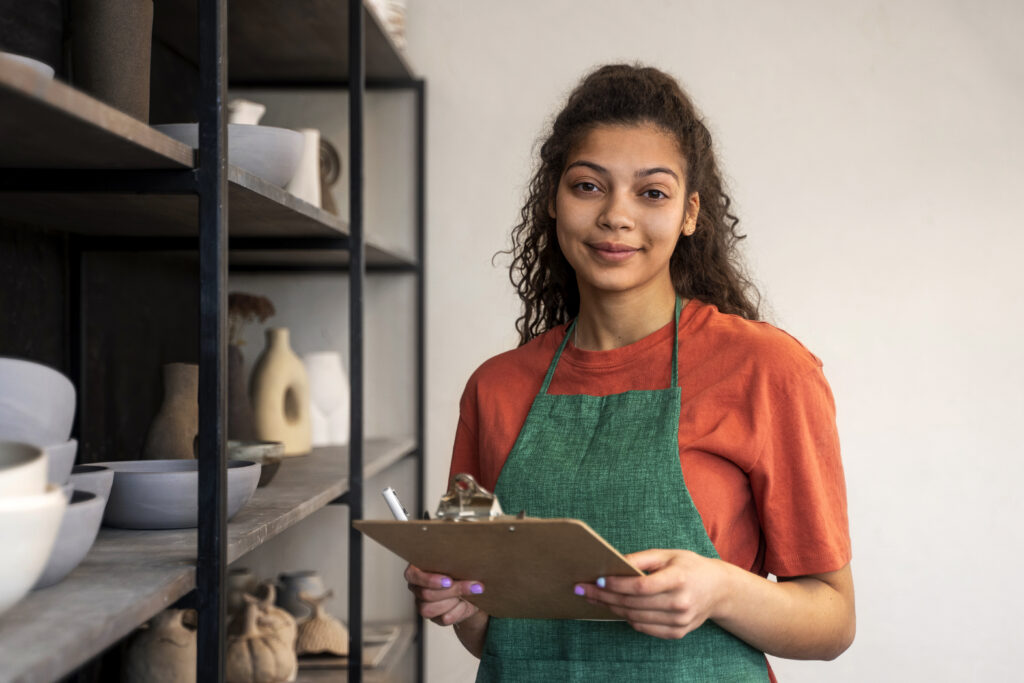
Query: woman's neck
[611,320]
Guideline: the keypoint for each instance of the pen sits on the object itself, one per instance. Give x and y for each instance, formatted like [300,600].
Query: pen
[397,509]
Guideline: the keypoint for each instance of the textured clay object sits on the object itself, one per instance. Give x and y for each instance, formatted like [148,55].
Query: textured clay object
[111,42]
[280,396]
[257,654]
[175,426]
[163,652]
[321,632]
[78,529]
[240,422]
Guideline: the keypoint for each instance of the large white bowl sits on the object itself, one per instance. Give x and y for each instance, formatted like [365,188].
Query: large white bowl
[77,533]
[22,470]
[271,153]
[28,530]
[60,459]
[163,494]
[37,403]
[44,70]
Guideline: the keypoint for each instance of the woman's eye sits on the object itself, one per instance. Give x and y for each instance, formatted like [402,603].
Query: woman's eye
[655,194]
[586,187]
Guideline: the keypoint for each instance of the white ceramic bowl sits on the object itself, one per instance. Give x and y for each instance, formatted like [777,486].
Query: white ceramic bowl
[37,403]
[60,460]
[28,530]
[41,68]
[77,533]
[92,478]
[271,153]
[22,470]
[163,494]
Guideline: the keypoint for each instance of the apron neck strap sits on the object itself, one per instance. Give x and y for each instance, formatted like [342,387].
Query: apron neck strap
[572,326]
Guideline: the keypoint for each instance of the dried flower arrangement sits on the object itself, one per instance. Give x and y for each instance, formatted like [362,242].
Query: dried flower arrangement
[245,308]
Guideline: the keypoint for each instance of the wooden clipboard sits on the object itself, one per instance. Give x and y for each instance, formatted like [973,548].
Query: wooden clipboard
[529,566]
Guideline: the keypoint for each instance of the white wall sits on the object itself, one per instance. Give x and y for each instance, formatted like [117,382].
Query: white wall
[874,153]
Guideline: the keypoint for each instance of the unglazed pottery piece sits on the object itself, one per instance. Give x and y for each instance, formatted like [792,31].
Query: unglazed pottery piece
[173,430]
[256,654]
[23,469]
[321,633]
[280,396]
[28,531]
[60,459]
[240,421]
[92,478]
[305,184]
[162,494]
[245,112]
[163,651]
[268,152]
[41,68]
[240,582]
[328,398]
[111,43]
[77,533]
[37,403]
[266,453]
[290,584]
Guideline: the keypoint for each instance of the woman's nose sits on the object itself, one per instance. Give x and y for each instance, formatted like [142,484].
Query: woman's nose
[617,213]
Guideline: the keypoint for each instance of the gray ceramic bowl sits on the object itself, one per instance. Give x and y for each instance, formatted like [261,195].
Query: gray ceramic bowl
[92,478]
[60,460]
[77,533]
[163,494]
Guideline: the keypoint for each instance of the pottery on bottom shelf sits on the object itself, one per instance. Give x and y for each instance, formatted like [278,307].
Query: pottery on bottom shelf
[267,453]
[77,533]
[92,478]
[163,494]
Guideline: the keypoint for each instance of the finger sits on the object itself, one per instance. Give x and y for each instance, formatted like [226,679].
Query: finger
[657,617]
[609,598]
[436,609]
[460,612]
[457,590]
[417,577]
[648,560]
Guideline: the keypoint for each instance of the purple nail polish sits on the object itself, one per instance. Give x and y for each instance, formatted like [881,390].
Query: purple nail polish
[476,589]
[578,590]
[600,582]
[446,582]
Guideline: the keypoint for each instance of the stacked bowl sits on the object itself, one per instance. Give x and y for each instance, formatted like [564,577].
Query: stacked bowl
[45,528]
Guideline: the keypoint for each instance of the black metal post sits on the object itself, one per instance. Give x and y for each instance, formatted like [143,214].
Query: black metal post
[357,274]
[213,250]
[421,337]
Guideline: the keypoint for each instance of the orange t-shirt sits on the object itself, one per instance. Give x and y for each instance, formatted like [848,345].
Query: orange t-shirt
[757,434]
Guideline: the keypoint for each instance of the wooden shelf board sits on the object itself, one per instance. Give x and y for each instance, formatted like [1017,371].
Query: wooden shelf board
[256,209]
[273,41]
[49,124]
[129,576]
[322,259]
[380,673]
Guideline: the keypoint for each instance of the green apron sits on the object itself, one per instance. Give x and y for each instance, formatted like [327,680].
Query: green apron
[613,462]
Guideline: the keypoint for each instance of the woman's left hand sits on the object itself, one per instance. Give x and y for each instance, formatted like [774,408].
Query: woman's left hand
[679,593]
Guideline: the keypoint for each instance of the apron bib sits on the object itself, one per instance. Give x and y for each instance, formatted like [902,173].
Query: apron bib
[613,462]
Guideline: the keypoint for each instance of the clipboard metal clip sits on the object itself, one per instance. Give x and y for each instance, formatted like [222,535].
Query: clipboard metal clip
[466,500]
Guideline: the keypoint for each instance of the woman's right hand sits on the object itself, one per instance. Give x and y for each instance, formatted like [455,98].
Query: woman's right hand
[441,599]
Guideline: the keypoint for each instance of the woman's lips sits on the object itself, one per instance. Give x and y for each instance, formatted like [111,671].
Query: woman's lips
[611,251]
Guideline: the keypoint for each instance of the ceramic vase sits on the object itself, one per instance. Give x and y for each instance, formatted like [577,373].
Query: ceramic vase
[240,582]
[240,420]
[280,396]
[328,398]
[291,584]
[305,184]
[33,29]
[174,429]
[162,652]
[111,44]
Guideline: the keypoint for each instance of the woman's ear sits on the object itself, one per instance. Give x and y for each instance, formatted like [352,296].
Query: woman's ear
[551,207]
[692,211]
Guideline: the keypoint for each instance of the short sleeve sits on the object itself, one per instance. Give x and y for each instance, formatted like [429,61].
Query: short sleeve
[797,480]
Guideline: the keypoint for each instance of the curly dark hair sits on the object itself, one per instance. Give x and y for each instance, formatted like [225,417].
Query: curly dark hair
[705,265]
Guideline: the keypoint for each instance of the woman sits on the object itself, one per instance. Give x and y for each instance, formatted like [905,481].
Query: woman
[646,400]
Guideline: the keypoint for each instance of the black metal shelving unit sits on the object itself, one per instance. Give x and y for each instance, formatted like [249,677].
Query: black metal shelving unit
[129,172]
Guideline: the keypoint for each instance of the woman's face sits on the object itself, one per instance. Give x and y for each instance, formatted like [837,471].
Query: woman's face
[621,206]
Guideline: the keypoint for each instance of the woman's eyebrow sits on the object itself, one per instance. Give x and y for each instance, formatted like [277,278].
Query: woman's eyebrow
[642,173]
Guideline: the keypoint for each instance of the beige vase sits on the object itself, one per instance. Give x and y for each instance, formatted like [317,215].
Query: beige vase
[162,652]
[280,396]
[174,429]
